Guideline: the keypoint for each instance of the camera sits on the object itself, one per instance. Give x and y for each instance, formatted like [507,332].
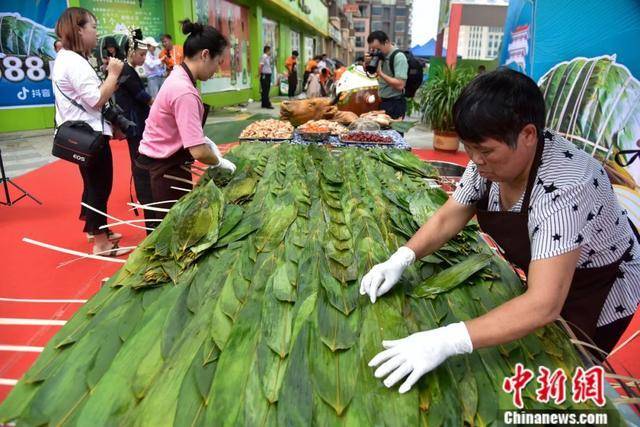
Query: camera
[114,115]
[376,56]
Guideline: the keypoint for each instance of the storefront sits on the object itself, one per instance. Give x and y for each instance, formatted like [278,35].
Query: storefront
[27,98]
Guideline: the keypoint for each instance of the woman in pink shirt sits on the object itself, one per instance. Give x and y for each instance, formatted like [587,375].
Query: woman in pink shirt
[173,133]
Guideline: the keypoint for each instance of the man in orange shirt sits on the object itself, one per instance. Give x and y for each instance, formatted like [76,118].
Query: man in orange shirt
[311,64]
[171,55]
[292,72]
[340,69]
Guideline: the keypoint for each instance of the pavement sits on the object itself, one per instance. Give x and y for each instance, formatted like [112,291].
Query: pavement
[25,151]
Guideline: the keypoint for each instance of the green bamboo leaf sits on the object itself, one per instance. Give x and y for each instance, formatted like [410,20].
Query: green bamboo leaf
[283,284]
[337,331]
[332,373]
[231,217]
[295,403]
[227,397]
[343,298]
[276,323]
[452,277]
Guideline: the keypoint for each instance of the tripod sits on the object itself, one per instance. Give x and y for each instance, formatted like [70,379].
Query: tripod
[5,183]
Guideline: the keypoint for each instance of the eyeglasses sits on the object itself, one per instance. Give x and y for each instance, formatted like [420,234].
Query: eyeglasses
[626,157]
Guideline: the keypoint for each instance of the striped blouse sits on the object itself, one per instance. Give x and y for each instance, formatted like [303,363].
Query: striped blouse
[572,206]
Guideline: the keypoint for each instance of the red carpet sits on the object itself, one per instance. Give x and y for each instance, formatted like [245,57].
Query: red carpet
[31,272]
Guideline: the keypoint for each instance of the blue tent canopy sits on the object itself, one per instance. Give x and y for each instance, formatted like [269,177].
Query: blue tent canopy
[426,50]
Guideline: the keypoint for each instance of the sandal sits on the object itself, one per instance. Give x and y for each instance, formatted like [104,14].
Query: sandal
[115,251]
[113,237]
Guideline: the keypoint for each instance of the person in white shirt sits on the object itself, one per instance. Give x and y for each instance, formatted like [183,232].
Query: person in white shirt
[265,77]
[73,77]
[154,69]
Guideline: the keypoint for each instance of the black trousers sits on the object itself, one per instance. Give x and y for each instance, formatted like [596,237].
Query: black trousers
[161,187]
[395,107]
[265,87]
[141,181]
[293,84]
[97,179]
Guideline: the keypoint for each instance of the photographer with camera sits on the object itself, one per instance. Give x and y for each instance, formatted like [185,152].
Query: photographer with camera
[79,98]
[134,101]
[391,77]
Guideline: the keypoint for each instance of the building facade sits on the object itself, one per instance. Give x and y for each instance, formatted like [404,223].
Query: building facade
[471,29]
[477,42]
[362,27]
[249,25]
[341,41]
[394,18]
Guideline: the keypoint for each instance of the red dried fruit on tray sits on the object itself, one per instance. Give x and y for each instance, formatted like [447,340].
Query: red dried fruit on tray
[367,138]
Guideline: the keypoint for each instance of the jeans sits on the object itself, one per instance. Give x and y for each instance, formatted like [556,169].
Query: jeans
[153,85]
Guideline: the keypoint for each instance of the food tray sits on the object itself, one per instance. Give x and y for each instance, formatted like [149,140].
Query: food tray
[398,141]
[314,136]
[265,139]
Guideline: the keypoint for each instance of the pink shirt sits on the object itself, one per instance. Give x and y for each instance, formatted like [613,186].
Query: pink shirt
[175,119]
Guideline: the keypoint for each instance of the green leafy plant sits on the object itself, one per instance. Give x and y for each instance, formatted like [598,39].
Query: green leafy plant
[439,94]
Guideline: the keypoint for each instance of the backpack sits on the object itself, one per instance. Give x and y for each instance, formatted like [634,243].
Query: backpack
[415,73]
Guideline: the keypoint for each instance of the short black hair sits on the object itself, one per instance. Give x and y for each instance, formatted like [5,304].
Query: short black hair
[266,48]
[359,58]
[201,37]
[381,36]
[294,53]
[166,36]
[498,105]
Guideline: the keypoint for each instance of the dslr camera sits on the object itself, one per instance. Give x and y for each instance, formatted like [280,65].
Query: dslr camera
[376,56]
[114,114]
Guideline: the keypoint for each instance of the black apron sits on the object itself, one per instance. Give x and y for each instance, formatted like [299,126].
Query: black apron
[589,287]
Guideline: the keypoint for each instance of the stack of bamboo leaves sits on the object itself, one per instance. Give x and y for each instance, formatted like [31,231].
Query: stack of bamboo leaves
[243,308]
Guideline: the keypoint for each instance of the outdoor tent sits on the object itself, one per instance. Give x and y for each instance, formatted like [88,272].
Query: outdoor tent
[426,50]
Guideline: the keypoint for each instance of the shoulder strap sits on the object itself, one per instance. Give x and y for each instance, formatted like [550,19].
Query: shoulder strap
[392,59]
[78,105]
[73,101]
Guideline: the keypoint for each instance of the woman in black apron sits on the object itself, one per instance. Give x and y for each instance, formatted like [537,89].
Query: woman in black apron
[173,135]
[551,209]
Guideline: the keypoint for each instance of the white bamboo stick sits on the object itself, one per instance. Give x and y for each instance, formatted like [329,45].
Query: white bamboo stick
[111,216]
[176,178]
[186,190]
[72,252]
[147,208]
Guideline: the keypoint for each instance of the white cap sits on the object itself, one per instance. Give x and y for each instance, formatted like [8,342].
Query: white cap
[150,41]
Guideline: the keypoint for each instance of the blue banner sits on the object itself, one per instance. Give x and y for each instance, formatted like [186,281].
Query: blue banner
[517,47]
[27,34]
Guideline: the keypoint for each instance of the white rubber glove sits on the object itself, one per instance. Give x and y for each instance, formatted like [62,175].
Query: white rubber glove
[383,276]
[420,353]
[225,164]
[222,162]
[213,146]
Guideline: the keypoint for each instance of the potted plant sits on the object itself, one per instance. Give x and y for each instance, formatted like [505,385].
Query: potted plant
[437,99]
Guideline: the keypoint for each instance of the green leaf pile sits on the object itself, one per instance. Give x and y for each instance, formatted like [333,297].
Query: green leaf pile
[243,308]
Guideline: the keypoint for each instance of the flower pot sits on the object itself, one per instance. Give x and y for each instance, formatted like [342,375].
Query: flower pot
[446,141]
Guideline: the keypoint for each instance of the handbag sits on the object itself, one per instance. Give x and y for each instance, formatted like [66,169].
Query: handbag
[76,141]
